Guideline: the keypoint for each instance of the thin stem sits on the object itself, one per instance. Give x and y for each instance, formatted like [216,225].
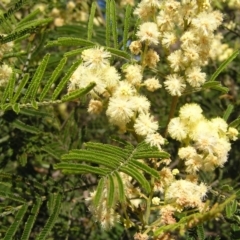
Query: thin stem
[171,114]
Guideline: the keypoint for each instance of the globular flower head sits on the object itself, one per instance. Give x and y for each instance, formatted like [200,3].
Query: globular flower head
[148,32]
[120,111]
[207,22]
[124,90]
[133,74]
[95,57]
[152,84]
[186,194]
[145,124]
[191,113]
[155,139]
[232,133]
[177,129]
[151,58]
[174,84]
[175,60]
[195,77]
[95,106]
[135,47]
[5,73]
[140,104]
[156,200]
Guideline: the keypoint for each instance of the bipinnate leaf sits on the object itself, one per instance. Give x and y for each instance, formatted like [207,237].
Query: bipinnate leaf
[113,159]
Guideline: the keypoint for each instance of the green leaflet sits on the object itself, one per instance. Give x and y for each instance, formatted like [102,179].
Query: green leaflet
[12,197]
[200,232]
[70,41]
[144,167]
[98,158]
[235,123]
[99,192]
[134,173]
[22,84]
[153,154]
[53,217]
[17,221]
[72,168]
[75,52]
[53,78]
[121,192]
[78,93]
[126,26]
[65,79]
[119,53]
[12,81]
[223,66]
[228,112]
[114,23]
[32,24]
[90,21]
[6,16]
[231,208]
[24,127]
[34,84]
[31,16]
[108,23]
[31,219]
[111,191]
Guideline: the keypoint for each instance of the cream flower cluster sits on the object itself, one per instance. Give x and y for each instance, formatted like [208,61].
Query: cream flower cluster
[5,73]
[5,48]
[186,194]
[206,141]
[5,70]
[106,216]
[125,106]
[185,29]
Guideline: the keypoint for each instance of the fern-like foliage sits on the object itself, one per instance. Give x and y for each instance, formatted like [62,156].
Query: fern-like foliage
[25,211]
[108,162]
[16,99]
